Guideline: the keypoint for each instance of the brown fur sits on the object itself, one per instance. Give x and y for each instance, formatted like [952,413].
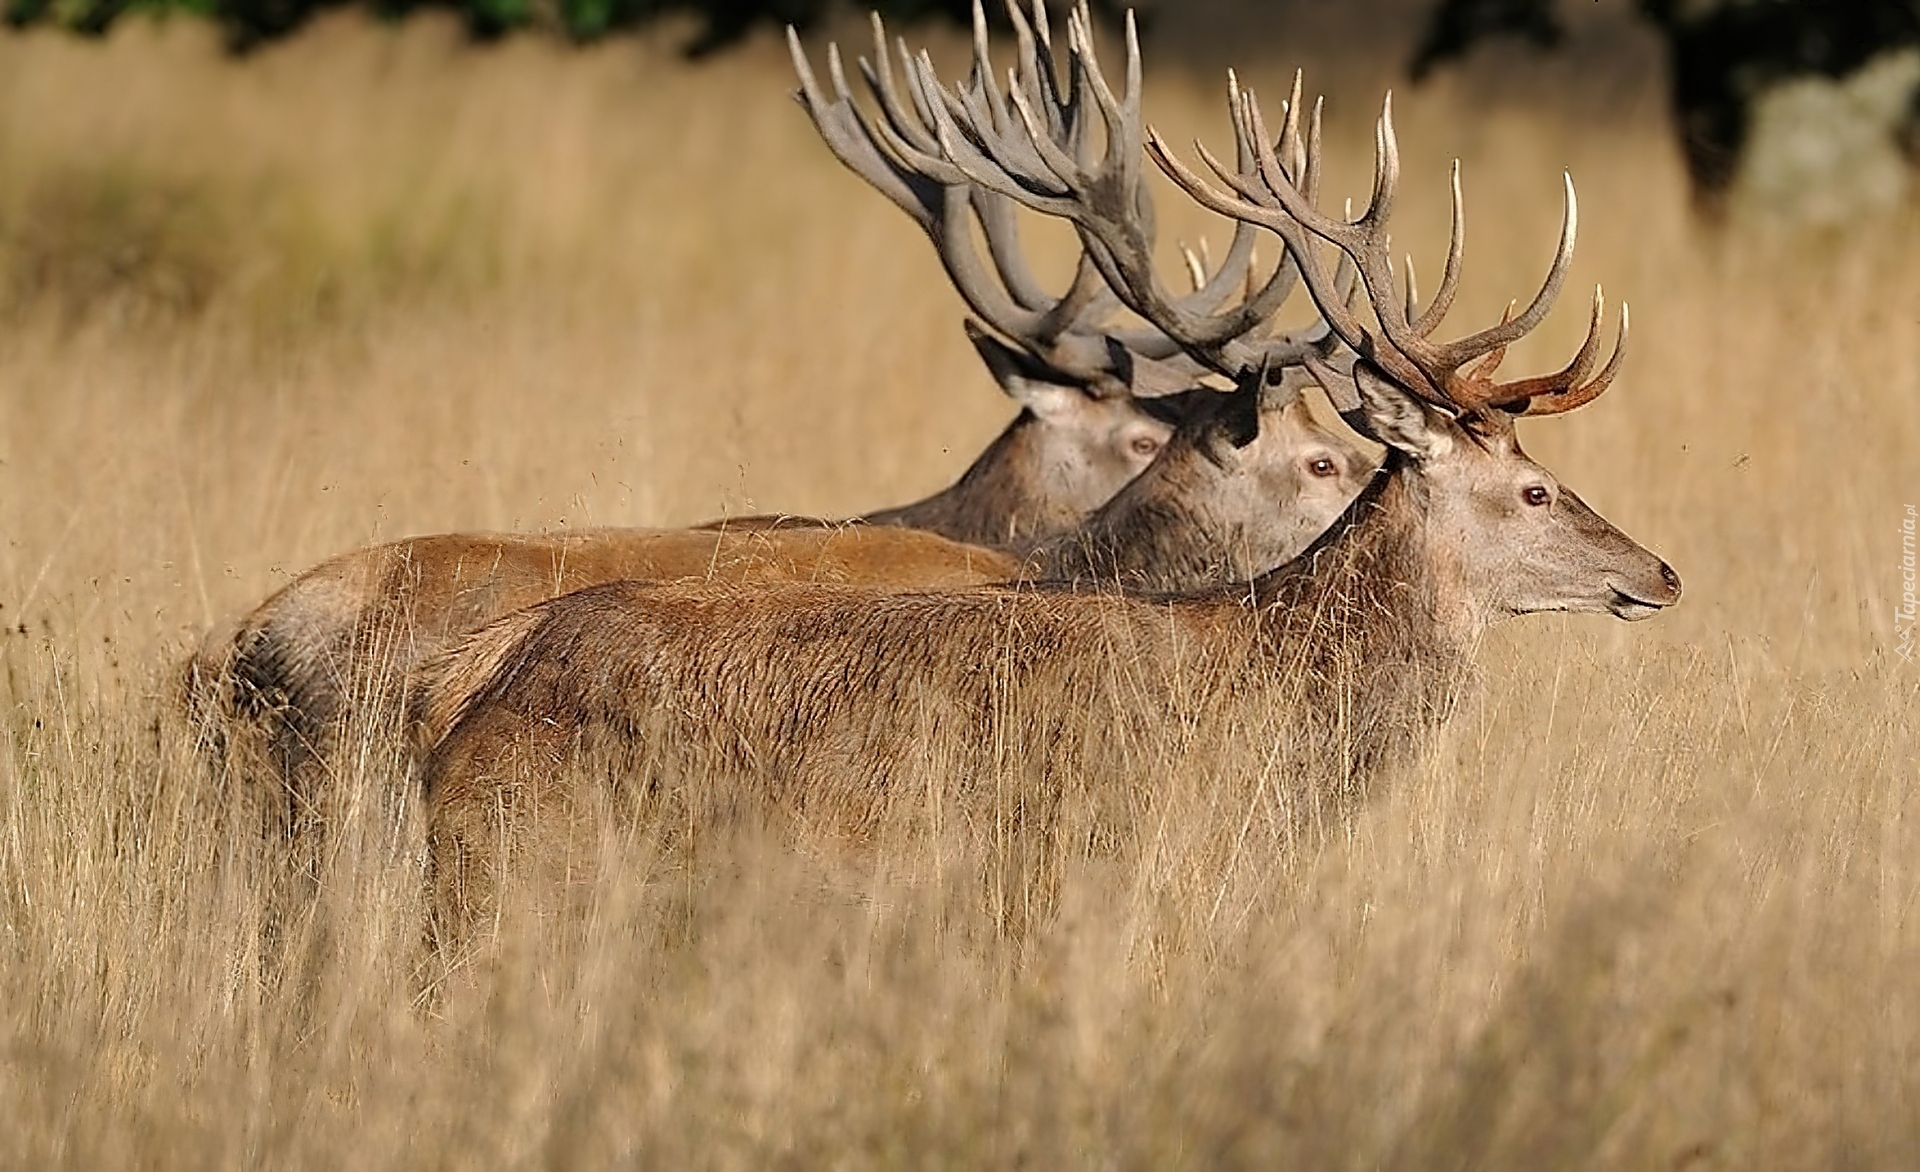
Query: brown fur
[1060,459]
[1242,487]
[823,703]
[822,700]
[1039,479]
[286,677]
[1226,499]
[807,664]
[337,643]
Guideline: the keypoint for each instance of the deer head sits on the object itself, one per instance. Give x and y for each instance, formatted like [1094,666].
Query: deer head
[1518,541]
[1502,535]
[1100,396]
[1251,476]
[1077,445]
[1249,480]
[1273,451]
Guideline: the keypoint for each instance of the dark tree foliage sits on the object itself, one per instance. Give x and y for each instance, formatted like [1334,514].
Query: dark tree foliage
[1722,53]
[249,23]
[1458,24]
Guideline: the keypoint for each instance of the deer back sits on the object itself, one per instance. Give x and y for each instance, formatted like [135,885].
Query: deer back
[348,631]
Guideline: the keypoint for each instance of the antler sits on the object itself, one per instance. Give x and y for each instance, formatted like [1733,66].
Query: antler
[1040,154]
[1454,375]
[900,154]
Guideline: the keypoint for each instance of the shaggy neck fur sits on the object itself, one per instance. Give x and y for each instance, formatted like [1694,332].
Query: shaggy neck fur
[1359,624]
[994,503]
[1154,535]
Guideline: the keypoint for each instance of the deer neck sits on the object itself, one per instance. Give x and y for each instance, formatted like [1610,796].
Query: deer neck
[1381,553]
[1155,535]
[1370,611]
[999,501]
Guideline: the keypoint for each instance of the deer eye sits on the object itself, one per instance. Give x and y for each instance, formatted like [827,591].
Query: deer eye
[1536,495]
[1323,467]
[1145,446]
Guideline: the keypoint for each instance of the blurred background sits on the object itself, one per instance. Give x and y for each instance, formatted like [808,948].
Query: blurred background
[278,280]
[297,277]
[1765,77]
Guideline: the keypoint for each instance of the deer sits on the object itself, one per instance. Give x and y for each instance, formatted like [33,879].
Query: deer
[1055,463]
[823,703]
[338,642]
[1248,477]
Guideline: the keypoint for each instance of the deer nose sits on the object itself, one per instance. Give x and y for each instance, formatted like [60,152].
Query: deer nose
[1671,579]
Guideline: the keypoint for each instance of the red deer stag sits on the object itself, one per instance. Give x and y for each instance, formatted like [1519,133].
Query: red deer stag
[826,704]
[338,641]
[1250,478]
[1084,383]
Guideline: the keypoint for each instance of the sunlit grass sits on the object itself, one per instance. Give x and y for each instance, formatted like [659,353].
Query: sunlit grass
[1650,903]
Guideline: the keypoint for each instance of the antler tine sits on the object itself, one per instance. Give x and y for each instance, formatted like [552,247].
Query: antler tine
[1236,267]
[1365,241]
[1297,221]
[1122,117]
[1401,346]
[852,141]
[1033,69]
[928,186]
[1132,121]
[1339,324]
[995,213]
[1290,127]
[1436,310]
[981,83]
[1276,193]
[1259,303]
[901,140]
[1041,25]
[879,77]
[984,162]
[1482,370]
[1117,239]
[1441,364]
[1456,354]
[989,154]
[1196,272]
[954,156]
[1235,273]
[1386,167]
[1310,154]
[1547,395]
[1582,362]
[1067,121]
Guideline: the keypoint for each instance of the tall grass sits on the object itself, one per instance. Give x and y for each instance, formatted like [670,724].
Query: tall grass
[1652,901]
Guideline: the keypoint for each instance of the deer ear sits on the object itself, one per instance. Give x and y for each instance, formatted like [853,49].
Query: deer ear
[1024,380]
[1049,401]
[1398,419]
[1239,418]
[1258,392]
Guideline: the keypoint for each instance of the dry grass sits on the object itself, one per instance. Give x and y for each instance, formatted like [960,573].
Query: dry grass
[1653,903]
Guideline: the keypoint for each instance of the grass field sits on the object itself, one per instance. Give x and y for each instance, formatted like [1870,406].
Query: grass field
[1651,903]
